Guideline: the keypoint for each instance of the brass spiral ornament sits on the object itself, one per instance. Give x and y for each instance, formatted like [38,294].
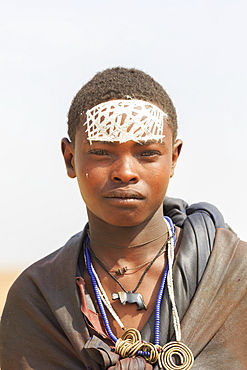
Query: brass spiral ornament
[173,350]
[133,335]
[131,345]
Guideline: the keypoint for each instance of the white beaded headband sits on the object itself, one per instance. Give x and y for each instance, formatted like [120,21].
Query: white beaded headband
[124,120]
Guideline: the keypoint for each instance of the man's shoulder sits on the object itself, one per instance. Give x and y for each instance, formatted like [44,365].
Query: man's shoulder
[49,271]
[68,250]
[228,236]
[201,212]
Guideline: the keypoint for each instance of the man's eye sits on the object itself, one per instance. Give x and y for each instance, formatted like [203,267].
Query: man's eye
[150,153]
[98,152]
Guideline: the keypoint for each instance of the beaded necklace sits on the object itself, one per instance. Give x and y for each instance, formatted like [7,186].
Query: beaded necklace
[130,344]
[131,296]
[121,270]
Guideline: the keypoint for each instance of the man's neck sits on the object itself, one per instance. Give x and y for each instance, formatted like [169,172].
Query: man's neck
[127,242]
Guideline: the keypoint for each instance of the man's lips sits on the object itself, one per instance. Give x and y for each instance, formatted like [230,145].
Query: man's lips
[123,194]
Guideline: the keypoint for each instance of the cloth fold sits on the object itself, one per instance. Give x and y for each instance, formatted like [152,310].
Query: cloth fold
[137,363]
[101,352]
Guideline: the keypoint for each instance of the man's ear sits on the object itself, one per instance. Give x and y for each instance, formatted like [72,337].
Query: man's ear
[68,155]
[177,146]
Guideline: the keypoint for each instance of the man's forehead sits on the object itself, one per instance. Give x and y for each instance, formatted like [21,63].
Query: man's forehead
[125,120]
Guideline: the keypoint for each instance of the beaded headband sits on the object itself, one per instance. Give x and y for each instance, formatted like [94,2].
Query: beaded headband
[124,120]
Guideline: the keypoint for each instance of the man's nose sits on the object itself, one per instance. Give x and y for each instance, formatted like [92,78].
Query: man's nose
[125,170]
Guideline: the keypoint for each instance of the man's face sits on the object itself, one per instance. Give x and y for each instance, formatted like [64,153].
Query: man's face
[122,184]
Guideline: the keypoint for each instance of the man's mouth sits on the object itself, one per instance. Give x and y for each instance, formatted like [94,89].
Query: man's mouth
[124,194]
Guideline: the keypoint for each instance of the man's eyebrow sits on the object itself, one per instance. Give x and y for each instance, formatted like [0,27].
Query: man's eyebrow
[149,142]
[104,142]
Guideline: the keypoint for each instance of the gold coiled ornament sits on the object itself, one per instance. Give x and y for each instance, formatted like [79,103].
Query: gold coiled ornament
[172,356]
[178,350]
[131,343]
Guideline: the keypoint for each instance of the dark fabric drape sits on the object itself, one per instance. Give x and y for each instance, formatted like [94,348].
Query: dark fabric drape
[43,327]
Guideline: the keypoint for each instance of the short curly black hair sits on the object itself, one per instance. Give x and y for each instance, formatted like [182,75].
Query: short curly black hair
[119,83]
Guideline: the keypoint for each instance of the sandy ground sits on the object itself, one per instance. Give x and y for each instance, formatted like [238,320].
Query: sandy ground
[7,277]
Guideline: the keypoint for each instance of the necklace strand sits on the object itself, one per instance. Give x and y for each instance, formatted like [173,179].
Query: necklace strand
[106,301]
[170,256]
[97,293]
[120,271]
[143,274]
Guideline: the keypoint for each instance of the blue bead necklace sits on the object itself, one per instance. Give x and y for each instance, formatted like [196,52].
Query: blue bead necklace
[91,273]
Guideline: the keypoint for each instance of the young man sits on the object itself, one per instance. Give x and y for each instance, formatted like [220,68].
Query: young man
[135,289]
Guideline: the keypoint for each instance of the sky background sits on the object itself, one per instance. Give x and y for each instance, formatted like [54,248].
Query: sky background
[49,49]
